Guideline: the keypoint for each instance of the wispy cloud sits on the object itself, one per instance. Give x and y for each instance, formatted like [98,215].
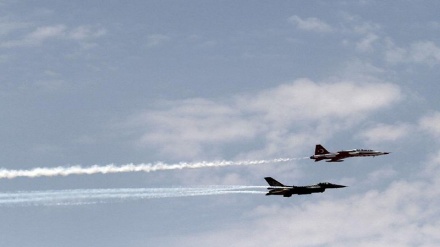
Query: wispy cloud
[38,36]
[386,132]
[43,34]
[366,43]
[385,217]
[421,52]
[369,35]
[305,99]
[187,128]
[363,35]
[431,123]
[86,33]
[310,24]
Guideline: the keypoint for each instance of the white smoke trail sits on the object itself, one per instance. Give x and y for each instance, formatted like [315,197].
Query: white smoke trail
[111,168]
[93,196]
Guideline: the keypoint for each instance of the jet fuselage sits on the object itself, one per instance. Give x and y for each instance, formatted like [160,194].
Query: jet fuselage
[322,154]
[278,188]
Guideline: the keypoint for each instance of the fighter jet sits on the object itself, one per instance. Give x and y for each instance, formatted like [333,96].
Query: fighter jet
[321,154]
[277,188]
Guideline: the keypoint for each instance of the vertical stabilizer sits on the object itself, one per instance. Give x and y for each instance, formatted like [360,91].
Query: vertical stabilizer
[273,182]
[319,149]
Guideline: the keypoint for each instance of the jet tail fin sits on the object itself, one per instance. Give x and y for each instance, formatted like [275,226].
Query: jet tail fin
[273,182]
[319,149]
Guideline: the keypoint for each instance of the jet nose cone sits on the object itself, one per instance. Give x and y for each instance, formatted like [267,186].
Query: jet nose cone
[335,186]
[340,186]
[386,152]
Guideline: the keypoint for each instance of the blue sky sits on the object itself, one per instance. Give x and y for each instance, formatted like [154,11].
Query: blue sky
[91,82]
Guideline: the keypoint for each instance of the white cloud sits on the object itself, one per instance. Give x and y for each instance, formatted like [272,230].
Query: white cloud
[308,100]
[395,54]
[40,35]
[425,52]
[310,24]
[380,175]
[432,168]
[422,52]
[369,38]
[86,32]
[48,32]
[186,126]
[386,132]
[366,44]
[431,123]
[365,27]
[403,214]
[282,117]
[364,36]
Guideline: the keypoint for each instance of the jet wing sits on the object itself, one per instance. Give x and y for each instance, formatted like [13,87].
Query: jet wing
[341,155]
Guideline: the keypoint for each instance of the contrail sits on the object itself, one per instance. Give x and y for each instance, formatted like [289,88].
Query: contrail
[94,196]
[111,168]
